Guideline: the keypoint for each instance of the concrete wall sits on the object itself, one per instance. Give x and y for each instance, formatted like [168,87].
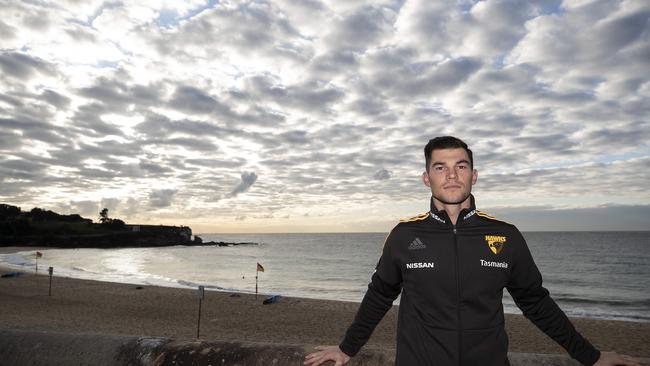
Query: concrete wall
[35,348]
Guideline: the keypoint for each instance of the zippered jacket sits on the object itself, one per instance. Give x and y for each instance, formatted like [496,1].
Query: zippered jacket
[451,278]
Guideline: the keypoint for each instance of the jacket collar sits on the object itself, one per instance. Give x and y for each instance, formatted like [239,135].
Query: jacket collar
[465,214]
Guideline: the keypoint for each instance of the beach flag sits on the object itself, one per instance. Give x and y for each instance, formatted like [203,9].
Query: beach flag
[38,255]
[257,270]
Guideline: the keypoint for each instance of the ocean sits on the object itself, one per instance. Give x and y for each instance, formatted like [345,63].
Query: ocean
[604,275]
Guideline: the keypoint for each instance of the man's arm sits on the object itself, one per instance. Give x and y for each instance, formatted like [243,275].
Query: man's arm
[383,289]
[377,301]
[525,286]
[533,299]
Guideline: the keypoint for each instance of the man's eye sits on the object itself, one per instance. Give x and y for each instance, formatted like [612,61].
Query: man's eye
[437,168]
[462,167]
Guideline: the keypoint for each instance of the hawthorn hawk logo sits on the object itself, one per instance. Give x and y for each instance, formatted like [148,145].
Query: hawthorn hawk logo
[495,243]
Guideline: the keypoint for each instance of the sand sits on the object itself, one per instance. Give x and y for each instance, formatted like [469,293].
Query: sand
[112,308]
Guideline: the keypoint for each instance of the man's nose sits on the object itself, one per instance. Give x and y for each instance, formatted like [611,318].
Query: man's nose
[451,174]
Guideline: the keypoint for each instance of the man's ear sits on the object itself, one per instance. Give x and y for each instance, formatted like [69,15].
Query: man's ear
[474,176]
[425,179]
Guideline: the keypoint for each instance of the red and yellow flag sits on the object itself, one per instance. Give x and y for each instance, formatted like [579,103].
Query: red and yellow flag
[260,268]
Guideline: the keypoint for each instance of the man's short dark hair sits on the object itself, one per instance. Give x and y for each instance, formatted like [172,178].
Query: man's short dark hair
[445,142]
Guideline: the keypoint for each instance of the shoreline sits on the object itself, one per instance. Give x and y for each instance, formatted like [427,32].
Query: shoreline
[142,310]
[137,281]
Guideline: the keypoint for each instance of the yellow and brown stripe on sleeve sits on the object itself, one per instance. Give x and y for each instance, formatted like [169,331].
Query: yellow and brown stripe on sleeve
[416,218]
[486,215]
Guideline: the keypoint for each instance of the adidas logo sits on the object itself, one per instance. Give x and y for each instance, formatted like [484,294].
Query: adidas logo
[416,244]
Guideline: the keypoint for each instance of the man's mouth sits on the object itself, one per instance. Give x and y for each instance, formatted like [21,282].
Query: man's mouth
[453,186]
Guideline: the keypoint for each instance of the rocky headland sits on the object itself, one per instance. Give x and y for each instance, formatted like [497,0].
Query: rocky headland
[44,228]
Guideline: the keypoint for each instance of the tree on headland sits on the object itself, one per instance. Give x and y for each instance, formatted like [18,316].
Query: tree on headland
[104,219]
[103,216]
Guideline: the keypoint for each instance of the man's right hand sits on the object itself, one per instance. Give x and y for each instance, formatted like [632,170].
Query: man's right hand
[326,353]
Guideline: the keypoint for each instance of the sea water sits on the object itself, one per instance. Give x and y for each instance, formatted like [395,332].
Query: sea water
[590,274]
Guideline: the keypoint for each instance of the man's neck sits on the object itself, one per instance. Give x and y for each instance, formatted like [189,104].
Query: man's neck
[452,210]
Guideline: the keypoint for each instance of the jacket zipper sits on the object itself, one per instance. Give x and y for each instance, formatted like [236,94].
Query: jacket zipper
[460,327]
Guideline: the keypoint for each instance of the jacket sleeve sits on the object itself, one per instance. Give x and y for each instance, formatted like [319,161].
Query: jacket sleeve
[385,286]
[525,286]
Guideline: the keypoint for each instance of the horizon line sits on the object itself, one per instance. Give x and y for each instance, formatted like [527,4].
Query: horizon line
[385,232]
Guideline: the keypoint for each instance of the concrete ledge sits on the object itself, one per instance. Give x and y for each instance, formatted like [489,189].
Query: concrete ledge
[35,348]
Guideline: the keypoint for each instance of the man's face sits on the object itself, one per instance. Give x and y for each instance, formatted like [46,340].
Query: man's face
[450,176]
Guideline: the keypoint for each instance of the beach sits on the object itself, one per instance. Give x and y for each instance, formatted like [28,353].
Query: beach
[124,309]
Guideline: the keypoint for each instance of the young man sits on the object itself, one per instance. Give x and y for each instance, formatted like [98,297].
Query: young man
[451,266]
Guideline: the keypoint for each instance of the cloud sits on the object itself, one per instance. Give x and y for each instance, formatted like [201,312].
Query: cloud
[89,209]
[162,126]
[382,174]
[56,99]
[495,27]
[403,77]
[21,168]
[7,31]
[89,118]
[159,198]
[596,35]
[608,179]
[247,180]
[190,99]
[110,203]
[362,28]
[22,66]
[130,208]
[217,163]
[189,143]
[117,95]
[312,95]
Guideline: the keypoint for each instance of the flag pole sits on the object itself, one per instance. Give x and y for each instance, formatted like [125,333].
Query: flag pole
[201,294]
[37,255]
[51,271]
[258,269]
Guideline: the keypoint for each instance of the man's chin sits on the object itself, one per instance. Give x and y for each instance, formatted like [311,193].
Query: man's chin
[452,200]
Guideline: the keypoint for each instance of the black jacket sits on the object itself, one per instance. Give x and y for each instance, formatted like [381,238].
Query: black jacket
[452,280]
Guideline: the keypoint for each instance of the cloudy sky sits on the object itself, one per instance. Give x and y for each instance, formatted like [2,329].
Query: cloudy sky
[311,116]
